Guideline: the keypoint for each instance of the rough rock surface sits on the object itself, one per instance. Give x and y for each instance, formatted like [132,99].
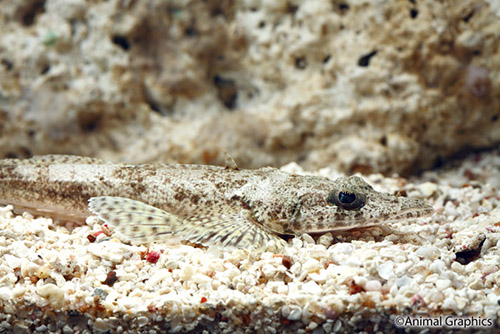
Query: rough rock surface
[358,86]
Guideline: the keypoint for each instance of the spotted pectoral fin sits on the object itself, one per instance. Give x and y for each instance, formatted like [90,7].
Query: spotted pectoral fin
[230,229]
[140,222]
[144,223]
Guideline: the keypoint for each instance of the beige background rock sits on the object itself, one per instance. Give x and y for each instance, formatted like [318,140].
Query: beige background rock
[391,86]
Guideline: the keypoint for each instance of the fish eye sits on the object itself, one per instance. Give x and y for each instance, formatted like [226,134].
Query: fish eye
[347,200]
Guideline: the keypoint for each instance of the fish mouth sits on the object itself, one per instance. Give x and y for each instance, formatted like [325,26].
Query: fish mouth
[399,217]
[402,216]
[410,214]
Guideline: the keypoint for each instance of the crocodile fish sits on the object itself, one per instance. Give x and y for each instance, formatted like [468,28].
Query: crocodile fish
[198,203]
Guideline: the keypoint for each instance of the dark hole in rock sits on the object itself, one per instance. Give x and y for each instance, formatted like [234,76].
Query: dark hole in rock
[155,107]
[8,64]
[364,61]
[438,162]
[45,69]
[191,30]
[343,6]
[121,41]
[28,12]
[88,122]
[291,9]
[300,63]
[468,16]
[226,91]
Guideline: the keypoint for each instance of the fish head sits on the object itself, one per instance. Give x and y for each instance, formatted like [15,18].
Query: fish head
[350,202]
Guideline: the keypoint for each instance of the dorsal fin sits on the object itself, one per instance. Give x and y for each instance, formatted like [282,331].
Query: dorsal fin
[229,161]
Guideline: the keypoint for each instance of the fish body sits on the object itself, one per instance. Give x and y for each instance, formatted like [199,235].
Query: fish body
[203,204]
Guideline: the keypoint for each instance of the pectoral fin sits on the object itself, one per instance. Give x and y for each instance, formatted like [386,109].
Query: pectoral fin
[143,223]
[229,230]
[140,222]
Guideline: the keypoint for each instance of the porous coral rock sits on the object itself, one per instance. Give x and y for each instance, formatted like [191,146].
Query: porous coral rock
[358,86]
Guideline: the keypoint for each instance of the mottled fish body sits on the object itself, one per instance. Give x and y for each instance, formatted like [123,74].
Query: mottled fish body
[203,204]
